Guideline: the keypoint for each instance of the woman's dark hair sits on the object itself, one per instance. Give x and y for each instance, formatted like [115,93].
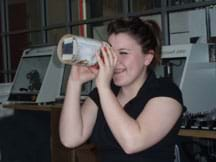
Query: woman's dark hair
[146,32]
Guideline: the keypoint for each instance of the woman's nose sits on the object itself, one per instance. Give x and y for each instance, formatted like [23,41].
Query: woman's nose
[119,56]
[119,59]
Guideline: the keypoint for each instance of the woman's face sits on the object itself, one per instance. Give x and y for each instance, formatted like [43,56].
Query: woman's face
[132,62]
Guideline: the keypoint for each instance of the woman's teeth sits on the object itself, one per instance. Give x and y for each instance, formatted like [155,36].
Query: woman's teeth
[118,71]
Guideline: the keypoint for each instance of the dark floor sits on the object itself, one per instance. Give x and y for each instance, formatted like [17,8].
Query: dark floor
[25,137]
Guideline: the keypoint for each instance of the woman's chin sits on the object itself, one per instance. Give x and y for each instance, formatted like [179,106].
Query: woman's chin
[118,82]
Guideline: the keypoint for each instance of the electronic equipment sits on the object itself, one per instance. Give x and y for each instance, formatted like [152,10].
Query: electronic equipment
[41,78]
[201,120]
[192,69]
[4,91]
[37,78]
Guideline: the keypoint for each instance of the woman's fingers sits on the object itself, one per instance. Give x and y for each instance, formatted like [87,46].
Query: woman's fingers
[105,55]
[99,59]
[94,69]
[108,55]
[114,56]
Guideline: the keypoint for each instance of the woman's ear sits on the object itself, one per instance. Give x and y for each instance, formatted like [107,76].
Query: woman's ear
[149,57]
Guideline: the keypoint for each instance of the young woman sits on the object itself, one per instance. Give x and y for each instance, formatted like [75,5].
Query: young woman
[131,115]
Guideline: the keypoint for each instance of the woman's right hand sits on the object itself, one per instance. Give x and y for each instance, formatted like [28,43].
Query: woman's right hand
[82,74]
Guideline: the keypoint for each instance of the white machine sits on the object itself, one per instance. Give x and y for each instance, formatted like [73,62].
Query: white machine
[41,78]
[37,78]
[192,68]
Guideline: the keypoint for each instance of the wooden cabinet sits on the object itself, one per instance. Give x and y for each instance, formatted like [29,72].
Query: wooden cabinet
[59,153]
[86,152]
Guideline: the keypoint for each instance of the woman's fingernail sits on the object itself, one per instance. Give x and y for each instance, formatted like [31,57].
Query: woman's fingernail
[105,49]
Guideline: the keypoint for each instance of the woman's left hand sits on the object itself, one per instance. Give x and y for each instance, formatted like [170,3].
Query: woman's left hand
[107,62]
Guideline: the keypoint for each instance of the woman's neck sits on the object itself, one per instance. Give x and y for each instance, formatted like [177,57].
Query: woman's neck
[131,90]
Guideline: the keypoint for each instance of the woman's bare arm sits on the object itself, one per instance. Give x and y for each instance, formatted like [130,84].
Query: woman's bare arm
[154,123]
[76,121]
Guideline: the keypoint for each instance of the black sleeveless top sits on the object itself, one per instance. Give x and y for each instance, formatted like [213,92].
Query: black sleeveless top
[108,147]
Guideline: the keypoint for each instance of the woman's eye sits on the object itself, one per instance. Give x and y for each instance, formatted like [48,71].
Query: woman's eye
[123,53]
